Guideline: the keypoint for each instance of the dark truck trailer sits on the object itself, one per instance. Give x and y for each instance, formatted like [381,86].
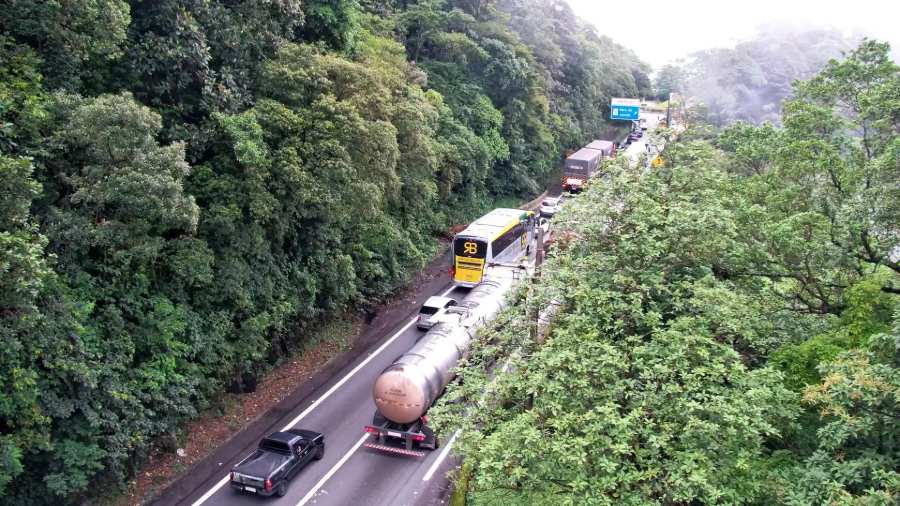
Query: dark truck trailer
[608,148]
[579,168]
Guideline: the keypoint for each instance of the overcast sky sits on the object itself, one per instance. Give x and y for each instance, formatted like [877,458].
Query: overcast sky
[660,31]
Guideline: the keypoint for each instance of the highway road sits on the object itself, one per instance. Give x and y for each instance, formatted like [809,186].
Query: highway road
[350,473]
[639,147]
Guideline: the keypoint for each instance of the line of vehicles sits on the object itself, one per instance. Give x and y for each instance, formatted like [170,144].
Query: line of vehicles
[583,164]
[490,256]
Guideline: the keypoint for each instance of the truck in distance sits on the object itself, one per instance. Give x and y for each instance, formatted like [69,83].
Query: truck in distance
[579,168]
[581,165]
[279,457]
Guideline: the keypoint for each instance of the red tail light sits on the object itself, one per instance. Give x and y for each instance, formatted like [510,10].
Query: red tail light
[268,485]
[231,476]
[419,318]
[452,271]
[372,430]
[419,437]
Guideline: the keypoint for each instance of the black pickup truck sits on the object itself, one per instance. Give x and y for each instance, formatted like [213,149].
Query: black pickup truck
[278,458]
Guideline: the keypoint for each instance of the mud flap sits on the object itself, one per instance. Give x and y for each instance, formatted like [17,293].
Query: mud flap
[378,421]
[431,441]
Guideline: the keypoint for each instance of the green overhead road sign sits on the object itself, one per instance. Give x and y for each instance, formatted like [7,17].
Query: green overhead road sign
[628,109]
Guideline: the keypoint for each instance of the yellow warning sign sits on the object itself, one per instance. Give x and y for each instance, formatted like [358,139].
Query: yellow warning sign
[658,161]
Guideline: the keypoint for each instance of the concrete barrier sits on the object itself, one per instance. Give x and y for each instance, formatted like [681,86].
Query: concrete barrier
[530,206]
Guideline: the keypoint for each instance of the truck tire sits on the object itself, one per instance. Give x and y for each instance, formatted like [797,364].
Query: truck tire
[320,452]
[281,490]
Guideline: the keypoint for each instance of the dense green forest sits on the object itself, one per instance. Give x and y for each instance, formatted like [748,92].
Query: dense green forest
[190,186]
[730,323]
[750,81]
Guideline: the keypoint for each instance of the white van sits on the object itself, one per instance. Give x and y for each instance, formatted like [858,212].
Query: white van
[432,308]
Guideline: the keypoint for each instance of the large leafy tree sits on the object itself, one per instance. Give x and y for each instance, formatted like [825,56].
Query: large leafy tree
[830,176]
[752,275]
[75,38]
[639,395]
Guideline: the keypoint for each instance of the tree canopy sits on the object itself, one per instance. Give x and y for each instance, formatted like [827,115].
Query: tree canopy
[729,323]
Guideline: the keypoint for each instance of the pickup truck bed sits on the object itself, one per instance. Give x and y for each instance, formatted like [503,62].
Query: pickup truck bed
[279,458]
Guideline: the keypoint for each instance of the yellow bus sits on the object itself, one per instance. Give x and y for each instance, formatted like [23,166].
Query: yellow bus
[502,235]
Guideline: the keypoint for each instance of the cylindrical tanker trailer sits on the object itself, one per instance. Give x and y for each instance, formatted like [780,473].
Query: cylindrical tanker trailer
[405,391]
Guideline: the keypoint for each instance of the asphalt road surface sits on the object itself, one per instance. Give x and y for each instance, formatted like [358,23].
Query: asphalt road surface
[639,147]
[350,474]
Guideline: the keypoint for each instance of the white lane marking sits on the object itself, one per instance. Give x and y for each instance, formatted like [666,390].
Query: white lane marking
[355,370]
[320,400]
[309,495]
[441,457]
[449,445]
[211,491]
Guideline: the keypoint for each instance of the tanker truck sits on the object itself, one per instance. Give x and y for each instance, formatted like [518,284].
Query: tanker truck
[405,391]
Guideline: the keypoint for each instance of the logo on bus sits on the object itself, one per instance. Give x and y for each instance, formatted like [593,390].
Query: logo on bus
[470,248]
